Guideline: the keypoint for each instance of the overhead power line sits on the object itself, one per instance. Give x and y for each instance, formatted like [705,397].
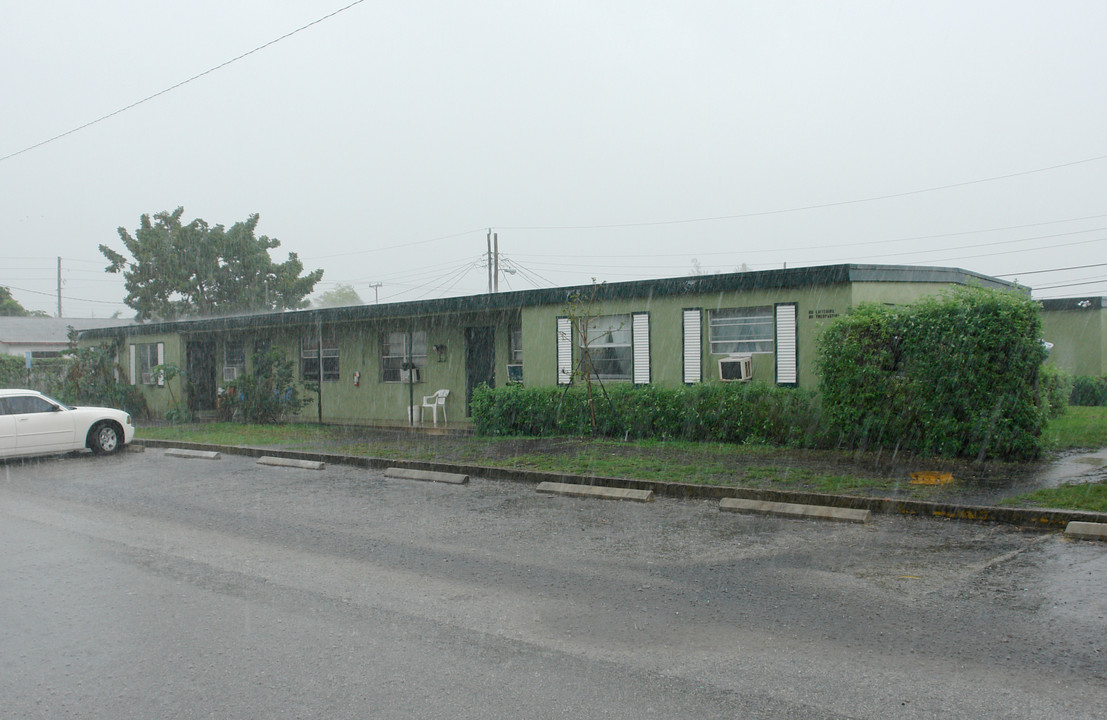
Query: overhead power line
[180,84]
[801,208]
[66,297]
[395,247]
[911,238]
[1036,272]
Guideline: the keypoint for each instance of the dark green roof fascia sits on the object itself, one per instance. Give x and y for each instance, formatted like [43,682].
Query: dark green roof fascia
[820,275]
[1075,303]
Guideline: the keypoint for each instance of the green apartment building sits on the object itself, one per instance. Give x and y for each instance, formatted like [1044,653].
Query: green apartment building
[1076,329]
[376,363]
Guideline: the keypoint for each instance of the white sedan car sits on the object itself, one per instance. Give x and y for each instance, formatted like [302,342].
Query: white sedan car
[33,424]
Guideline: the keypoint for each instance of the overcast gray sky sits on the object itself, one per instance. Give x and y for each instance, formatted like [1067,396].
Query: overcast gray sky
[615,140]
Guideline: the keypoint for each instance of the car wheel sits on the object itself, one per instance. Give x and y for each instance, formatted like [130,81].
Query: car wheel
[104,438]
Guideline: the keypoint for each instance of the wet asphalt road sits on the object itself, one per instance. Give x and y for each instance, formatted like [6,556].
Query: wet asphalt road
[142,586]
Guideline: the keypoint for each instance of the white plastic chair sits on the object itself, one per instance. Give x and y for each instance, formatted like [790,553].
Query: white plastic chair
[438,400]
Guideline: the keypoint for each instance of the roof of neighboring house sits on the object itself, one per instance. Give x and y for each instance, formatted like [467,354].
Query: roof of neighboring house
[1074,303]
[694,284]
[39,331]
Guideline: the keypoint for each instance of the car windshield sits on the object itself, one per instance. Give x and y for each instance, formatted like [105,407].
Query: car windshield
[58,402]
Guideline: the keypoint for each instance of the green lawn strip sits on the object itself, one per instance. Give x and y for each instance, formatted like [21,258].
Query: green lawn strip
[239,434]
[720,464]
[1069,496]
[664,461]
[1079,427]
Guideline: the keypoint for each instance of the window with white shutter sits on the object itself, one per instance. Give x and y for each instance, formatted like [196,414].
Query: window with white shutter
[564,351]
[693,346]
[144,358]
[786,357]
[640,326]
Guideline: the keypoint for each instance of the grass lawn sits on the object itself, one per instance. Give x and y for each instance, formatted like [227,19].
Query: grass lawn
[1085,496]
[1079,427]
[755,466]
[673,461]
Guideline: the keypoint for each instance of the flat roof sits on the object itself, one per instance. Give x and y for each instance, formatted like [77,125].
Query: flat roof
[30,330]
[692,284]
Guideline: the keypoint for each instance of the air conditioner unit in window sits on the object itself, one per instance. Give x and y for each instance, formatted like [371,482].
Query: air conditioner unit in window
[147,378]
[411,375]
[736,368]
[230,373]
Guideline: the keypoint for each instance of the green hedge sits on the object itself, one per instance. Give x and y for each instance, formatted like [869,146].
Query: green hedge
[957,375]
[724,412]
[1088,391]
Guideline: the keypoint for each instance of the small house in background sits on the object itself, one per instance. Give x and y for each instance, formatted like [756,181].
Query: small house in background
[375,363]
[45,337]
[1077,330]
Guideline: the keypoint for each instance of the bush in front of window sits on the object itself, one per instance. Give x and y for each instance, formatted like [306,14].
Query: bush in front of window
[721,412]
[83,376]
[91,377]
[270,394]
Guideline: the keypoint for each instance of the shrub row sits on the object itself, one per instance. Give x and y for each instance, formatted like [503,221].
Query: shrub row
[724,412]
[1088,391]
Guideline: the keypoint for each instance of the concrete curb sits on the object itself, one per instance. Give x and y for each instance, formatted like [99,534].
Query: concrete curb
[429,475]
[595,491]
[1030,518]
[1086,530]
[291,462]
[192,453]
[816,512]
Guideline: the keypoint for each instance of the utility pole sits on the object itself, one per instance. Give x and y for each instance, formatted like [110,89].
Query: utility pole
[494,261]
[59,286]
[319,359]
[376,292]
[496,272]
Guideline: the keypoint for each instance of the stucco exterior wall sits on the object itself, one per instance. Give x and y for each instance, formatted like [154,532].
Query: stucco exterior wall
[372,399]
[816,306]
[159,398]
[1078,340]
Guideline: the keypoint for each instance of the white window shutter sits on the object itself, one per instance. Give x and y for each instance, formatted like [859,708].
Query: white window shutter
[161,361]
[786,358]
[640,338]
[132,377]
[693,346]
[564,351]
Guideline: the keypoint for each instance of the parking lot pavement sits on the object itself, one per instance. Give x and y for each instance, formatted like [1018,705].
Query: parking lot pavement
[622,607]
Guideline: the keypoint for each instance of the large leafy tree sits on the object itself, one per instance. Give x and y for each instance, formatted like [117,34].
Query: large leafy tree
[338,296]
[195,269]
[10,307]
